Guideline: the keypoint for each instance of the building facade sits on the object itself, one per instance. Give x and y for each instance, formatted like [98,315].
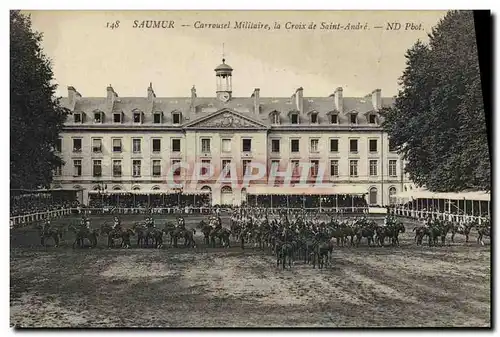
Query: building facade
[208,143]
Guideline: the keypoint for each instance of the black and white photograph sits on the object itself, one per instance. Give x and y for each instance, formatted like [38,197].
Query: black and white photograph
[250,169]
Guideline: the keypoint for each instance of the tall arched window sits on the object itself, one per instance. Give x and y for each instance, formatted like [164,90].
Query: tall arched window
[392,195]
[373,196]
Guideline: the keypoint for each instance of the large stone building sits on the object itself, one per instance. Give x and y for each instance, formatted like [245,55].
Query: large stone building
[131,143]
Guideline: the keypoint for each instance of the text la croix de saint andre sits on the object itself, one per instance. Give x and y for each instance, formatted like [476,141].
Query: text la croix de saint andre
[169,24]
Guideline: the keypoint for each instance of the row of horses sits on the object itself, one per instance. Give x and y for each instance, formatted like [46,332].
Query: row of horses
[147,235]
[436,231]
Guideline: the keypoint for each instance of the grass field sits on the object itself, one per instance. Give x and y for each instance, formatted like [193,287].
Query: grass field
[406,286]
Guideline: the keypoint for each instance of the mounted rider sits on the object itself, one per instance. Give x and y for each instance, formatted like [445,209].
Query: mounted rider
[46,226]
[181,223]
[117,225]
[150,223]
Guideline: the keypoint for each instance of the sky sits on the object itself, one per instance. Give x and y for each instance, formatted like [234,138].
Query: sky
[89,56]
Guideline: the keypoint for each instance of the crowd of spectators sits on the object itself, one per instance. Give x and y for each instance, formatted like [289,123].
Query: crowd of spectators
[38,203]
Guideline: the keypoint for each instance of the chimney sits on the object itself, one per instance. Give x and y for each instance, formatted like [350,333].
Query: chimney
[110,98]
[151,92]
[193,99]
[73,96]
[299,99]
[256,101]
[377,99]
[339,99]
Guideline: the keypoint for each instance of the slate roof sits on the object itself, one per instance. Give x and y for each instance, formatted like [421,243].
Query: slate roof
[207,105]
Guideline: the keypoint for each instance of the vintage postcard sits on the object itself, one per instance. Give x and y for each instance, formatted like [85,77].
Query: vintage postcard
[248,169]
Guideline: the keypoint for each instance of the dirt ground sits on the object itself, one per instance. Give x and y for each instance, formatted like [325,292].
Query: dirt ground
[407,286]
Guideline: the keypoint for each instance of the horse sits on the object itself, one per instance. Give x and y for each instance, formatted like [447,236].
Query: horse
[366,230]
[83,233]
[55,233]
[205,229]
[462,228]
[141,231]
[284,251]
[483,231]
[112,234]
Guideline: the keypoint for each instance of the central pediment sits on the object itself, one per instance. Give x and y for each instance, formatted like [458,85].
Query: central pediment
[226,119]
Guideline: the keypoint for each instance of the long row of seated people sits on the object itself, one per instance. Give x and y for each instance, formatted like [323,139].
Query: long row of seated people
[24,206]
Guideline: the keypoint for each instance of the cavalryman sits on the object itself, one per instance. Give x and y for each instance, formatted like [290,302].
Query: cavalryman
[87,224]
[117,223]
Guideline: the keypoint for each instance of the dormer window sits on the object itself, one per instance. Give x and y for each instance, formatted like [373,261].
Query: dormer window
[117,117]
[353,118]
[275,117]
[372,118]
[78,117]
[157,118]
[314,118]
[295,118]
[333,116]
[137,117]
[98,117]
[176,117]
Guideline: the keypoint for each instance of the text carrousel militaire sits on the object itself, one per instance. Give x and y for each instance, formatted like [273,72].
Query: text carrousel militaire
[258,25]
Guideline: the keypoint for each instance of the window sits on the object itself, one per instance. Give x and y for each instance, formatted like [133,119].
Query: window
[392,195]
[334,168]
[334,119]
[373,168]
[246,167]
[354,118]
[175,164]
[314,118]
[295,118]
[117,117]
[137,117]
[247,145]
[372,119]
[97,168]
[295,167]
[373,196]
[334,145]
[136,145]
[97,117]
[275,118]
[392,145]
[96,145]
[176,118]
[176,145]
[156,168]
[226,145]
[58,147]
[156,145]
[117,168]
[314,145]
[77,117]
[353,145]
[373,145]
[117,145]
[136,168]
[275,145]
[314,168]
[353,168]
[205,167]
[295,145]
[157,118]
[392,168]
[77,145]
[58,171]
[205,145]
[77,168]
[226,168]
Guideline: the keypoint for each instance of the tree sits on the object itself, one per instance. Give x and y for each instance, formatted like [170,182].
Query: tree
[438,122]
[36,116]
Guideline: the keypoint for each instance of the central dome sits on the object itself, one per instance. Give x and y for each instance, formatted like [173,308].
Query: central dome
[224,66]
